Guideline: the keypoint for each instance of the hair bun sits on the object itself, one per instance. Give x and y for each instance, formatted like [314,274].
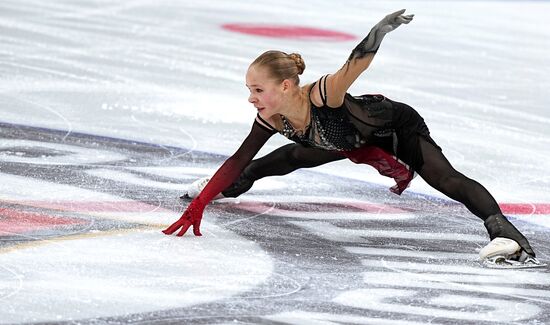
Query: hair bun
[297,58]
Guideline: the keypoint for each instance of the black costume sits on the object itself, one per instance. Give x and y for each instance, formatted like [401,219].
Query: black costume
[369,129]
[376,121]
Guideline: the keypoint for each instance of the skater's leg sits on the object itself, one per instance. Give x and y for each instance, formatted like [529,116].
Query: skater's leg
[281,161]
[438,172]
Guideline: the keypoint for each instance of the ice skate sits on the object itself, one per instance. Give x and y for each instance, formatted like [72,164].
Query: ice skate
[508,248]
[505,253]
[195,188]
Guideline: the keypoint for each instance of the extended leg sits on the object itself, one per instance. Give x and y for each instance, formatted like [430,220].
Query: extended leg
[438,172]
[281,161]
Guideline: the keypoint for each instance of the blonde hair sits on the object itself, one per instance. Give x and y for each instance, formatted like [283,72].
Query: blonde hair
[281,66]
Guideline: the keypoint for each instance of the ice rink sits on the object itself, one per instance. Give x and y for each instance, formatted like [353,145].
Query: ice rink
[108,110]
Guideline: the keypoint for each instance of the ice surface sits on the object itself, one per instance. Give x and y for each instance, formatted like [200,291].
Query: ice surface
[108,110]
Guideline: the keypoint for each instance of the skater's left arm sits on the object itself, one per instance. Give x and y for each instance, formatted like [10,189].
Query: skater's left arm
[361,57]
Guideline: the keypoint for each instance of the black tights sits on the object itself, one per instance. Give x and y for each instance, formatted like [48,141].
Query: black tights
[438,172]
[281,161]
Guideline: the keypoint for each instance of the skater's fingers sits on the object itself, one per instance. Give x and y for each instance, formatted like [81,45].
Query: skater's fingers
[173,227]
[197,228]
[176,225]
[397,13]
[405,19]
[184,228]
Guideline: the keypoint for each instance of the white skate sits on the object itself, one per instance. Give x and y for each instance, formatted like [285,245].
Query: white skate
[505,253]
[195,188]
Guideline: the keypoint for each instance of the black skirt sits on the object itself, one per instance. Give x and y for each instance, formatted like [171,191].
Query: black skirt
[392,126]
[409,128]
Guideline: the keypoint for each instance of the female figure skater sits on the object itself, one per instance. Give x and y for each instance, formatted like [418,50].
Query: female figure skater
[329,124]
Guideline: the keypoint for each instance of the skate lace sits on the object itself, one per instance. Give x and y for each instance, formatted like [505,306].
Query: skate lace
[500,241]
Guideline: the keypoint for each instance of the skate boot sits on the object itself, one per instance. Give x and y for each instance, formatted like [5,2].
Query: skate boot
[195,188]
[241,185]
[508,247]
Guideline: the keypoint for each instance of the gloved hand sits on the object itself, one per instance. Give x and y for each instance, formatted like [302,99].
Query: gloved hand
[191,216]
[392,21]
[371,43]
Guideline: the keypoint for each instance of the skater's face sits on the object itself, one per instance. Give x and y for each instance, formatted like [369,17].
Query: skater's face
[266,94]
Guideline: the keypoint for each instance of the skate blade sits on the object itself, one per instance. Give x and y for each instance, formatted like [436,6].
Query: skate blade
[185,197]
[501,262]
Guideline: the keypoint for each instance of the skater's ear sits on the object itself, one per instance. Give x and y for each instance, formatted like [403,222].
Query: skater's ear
[287,85]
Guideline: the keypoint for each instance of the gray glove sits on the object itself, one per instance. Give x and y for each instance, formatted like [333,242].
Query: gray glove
[371,43]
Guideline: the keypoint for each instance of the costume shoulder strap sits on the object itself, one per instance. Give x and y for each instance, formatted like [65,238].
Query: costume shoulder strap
[264,124]
[322,83]
[323,91]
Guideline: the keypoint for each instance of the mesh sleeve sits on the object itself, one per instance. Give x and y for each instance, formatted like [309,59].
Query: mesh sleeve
[235,164]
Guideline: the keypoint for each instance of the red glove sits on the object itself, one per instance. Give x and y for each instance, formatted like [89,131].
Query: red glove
[191,216]
[226,174]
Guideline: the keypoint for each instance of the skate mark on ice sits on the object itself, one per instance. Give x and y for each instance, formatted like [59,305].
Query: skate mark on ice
[383,300]
[263,210]
[17,276]
[474,273]
[171,151]
[338,234]
[46,108]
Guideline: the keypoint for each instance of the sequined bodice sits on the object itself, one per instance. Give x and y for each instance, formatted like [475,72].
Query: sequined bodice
[329,129]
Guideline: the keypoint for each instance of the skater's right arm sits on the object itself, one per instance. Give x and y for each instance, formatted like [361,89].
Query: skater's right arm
[224,177]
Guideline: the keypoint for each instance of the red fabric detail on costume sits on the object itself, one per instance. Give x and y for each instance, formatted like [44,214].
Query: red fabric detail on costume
[385,163]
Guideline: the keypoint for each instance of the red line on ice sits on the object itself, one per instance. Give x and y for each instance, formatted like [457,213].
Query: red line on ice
[94,206]
[525,208]
[14,221]
[282,31]
[136,206]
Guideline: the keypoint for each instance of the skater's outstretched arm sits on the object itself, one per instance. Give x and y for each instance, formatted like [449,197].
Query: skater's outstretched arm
[281,161]
[225,175]
[361,57]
